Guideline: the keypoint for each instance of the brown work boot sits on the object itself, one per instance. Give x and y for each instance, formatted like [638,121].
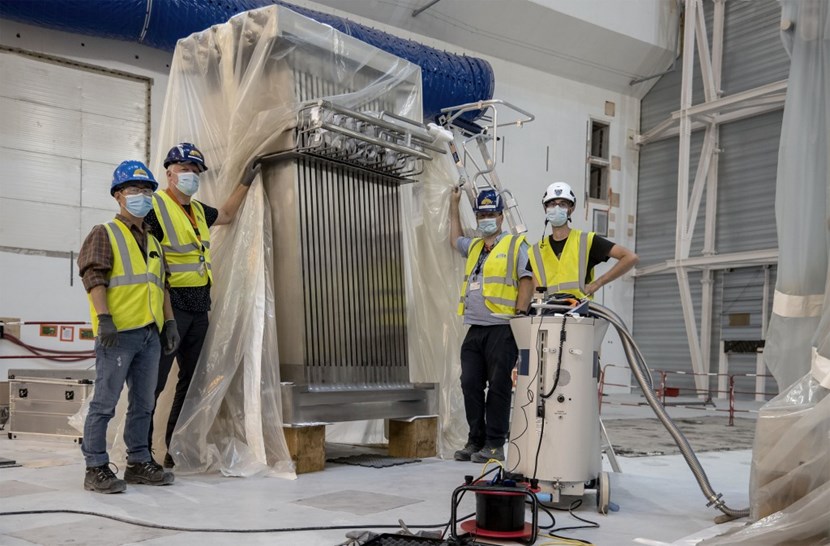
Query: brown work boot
[149,473]
[488,454]
[102,479]
[466,453]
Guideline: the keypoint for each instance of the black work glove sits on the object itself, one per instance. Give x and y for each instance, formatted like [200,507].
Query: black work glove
[107,334]
[170,337]
[251,170]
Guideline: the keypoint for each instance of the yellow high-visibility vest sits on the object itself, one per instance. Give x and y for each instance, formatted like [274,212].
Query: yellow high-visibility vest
[135,295]
[566,273]
[188,258]
[499,273]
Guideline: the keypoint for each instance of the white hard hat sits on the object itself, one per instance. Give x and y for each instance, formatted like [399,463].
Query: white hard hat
[559,190]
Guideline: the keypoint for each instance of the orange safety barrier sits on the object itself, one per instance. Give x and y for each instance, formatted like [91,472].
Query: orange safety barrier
[663,391]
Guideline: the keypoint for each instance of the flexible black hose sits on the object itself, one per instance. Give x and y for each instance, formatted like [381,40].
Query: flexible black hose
[638,364]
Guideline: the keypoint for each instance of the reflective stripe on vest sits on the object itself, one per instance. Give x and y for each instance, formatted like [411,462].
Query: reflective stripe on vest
[556,274]
[135,291]
[500,283]
[188,259]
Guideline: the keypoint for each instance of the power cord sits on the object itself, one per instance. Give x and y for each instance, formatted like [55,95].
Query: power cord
[530,399]
[150,525]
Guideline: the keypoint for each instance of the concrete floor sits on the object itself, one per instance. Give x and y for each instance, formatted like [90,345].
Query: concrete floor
[659,500]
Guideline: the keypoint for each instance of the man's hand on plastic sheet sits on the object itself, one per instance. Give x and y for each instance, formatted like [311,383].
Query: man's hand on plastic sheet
[251,170]
[170,337]
[107,333]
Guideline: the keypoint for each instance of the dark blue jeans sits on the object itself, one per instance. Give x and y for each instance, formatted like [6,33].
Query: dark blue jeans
[133,361]
[488,356]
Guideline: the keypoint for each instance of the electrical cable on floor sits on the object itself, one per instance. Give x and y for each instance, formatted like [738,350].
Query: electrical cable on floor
[563,540]
[574,505]
[139,523]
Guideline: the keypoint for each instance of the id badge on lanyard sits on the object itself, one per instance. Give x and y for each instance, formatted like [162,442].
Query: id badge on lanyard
[202,266]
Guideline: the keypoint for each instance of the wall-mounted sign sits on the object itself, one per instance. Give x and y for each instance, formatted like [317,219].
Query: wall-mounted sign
[67,333]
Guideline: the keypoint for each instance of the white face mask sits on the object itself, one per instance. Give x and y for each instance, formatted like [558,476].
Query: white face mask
[139,205]
[488,226]
[556,216]
[187,182]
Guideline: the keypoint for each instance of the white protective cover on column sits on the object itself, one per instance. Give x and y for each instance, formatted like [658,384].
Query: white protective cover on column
[800,312]
[790,481]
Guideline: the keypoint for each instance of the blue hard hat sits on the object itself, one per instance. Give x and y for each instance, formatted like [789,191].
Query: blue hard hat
[489,201]
[132,171]
[185,152]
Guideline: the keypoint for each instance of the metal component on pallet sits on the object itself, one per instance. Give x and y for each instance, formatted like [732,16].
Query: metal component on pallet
[338,269]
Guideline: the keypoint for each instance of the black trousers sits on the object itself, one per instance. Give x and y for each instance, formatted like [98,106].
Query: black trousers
[192,329]
[488,356]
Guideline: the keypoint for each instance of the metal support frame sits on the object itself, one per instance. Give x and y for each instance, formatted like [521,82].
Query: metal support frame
[709,115]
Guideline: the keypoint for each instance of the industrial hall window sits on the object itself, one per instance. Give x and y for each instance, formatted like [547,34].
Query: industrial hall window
[598,160]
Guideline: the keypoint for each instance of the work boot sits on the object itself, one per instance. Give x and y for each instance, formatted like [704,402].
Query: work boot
[466,453]
[102,479]
[168,461]
[149,473]
[487,454]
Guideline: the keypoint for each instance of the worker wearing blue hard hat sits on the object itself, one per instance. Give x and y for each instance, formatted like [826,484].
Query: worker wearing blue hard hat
[125,275]
[564,261]
[497,285]
[182,224]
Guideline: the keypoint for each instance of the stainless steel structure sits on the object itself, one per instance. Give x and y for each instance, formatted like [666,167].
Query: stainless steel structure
[339,279]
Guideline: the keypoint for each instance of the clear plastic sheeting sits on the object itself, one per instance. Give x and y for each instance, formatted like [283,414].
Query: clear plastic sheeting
[798,339]
[235,92]
[434,273]
[790,480]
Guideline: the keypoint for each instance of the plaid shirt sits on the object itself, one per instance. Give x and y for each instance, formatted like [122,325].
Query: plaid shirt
[95,258]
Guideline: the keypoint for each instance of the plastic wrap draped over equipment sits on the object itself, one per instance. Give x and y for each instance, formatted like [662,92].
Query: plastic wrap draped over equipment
[790,481]
[233,90]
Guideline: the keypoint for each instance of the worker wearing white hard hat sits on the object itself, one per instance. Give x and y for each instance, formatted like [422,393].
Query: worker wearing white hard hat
[564,261]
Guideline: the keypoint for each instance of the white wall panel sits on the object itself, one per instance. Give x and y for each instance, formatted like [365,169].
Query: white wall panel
[40,128]
[41,226]
[96,180]
[112,140]
[91,217]
[40,82]
[65,128]
[114,97]
[41,178]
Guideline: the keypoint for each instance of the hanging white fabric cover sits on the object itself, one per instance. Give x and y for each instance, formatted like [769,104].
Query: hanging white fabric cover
[798,340]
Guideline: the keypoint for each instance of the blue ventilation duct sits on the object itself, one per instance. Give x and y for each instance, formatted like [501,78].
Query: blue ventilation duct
[448,79]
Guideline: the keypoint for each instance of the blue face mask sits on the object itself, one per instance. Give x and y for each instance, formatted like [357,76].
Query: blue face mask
[138,205]
[188,183]
[557,216]
[488,226]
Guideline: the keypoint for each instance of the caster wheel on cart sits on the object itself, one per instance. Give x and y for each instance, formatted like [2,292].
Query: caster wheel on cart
[603,493]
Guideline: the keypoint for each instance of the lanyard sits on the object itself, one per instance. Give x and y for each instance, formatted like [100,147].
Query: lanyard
[189,215]
[481,257]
